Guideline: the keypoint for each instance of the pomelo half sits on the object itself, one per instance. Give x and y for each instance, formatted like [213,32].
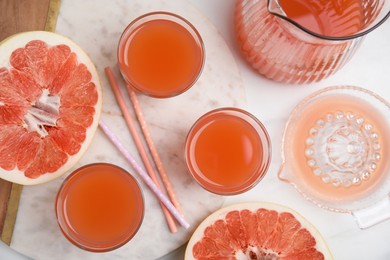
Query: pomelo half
[256,230]
[50,102]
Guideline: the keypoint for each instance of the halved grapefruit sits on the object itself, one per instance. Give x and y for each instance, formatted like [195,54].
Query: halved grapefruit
[50,102]
[256,230]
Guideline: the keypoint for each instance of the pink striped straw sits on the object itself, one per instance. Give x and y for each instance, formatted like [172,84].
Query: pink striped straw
[153,150]
[145,177]
[138,142]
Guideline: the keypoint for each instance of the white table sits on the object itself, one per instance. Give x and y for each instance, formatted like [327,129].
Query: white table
[272,102]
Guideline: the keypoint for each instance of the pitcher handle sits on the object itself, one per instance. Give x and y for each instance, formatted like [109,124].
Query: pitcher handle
[374,214]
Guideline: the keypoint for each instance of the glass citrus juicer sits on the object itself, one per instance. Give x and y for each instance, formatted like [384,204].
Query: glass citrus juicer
[303,41]
[335,151]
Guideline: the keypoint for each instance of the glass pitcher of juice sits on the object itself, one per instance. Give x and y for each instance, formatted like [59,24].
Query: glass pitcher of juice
[304,41]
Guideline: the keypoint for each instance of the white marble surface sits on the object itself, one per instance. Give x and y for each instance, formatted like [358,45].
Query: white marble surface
[271,102]
[36,233]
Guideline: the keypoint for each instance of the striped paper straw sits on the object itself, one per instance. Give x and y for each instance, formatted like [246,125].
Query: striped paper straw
[145,177]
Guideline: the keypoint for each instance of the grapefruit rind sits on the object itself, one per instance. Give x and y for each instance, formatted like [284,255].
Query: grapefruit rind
[253,206]
[16,41]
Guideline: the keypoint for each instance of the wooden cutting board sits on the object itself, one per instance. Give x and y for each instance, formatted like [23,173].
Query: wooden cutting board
[19,16]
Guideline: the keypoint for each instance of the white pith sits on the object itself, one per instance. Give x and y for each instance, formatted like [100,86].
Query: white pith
[253,206]
[270,255]
[19,41]
[43,113]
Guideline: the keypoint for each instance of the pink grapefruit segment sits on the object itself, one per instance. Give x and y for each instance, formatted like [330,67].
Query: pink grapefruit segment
[50,101]
[256,231]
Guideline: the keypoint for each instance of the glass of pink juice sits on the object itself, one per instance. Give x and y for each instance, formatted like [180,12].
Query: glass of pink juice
[227,151]
[160,54]
[99,207]
[335,148]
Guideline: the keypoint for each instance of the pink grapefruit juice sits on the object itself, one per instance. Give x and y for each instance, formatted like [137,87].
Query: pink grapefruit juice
[332,104]
[330,18]
[99,207]
[227,151]
[282,52]
[160,54]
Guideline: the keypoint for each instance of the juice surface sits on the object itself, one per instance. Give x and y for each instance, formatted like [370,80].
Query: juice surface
[102,205]
[330,17]
[227,151]
[161,58]
[298,138]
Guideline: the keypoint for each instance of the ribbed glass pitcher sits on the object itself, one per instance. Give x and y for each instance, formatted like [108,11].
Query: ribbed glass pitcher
[303,41]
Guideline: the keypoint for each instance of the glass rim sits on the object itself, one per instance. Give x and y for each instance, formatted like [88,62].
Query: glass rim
[327,37]
[194,32]
[81,243]
[259,173]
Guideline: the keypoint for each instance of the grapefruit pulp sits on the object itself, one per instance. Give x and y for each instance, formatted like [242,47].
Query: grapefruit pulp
[256,230]
[50,102]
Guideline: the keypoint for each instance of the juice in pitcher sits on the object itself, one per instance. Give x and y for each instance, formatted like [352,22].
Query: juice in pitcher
[303,41]
[335,18]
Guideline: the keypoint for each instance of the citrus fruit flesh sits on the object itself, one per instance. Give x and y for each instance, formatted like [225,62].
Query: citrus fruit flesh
[50,101]
[256,231]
